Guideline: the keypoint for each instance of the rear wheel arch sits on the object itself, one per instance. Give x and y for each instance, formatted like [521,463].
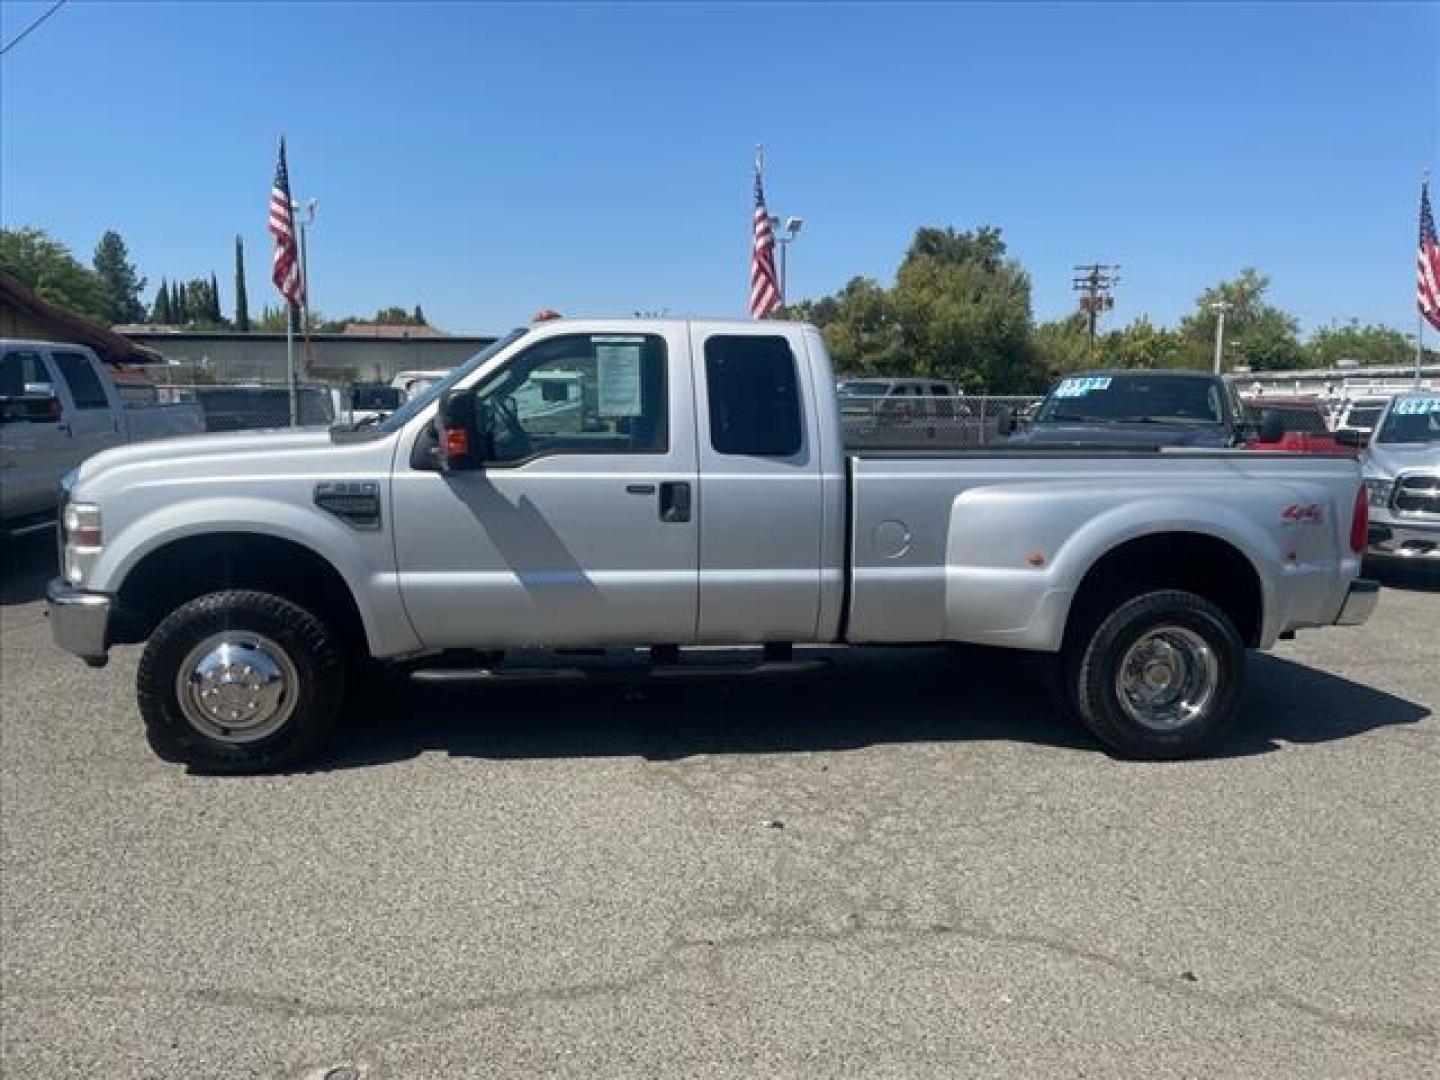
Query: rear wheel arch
[1196,562]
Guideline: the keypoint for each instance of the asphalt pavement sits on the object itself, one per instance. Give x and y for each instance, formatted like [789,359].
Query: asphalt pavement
[908,866]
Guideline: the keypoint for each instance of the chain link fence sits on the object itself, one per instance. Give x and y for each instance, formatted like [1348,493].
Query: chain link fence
[256,406]
[932,423]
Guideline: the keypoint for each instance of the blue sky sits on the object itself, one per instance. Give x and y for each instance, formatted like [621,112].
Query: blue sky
[485,161]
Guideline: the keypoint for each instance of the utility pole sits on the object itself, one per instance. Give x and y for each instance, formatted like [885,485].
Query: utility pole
[1094,282]
[1220,307]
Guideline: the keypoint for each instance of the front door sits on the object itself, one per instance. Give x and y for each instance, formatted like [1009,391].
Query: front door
[581,529]
[34,450]
[94,425]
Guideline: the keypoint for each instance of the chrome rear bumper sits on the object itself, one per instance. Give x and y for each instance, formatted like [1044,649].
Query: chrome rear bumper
[1359,603]
[79,621]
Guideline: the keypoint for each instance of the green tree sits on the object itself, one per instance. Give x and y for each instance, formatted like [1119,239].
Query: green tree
[418,317]
[44,264]
[1257,333]
[119,282]
[1063,346]
[1141,344]
[214,314]
[1368,344]
[964,311]
[242,302]
[959,309]
[860,328]
[160,313]
[180,302]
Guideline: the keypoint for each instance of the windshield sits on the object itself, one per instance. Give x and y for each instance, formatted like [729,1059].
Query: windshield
[1363,417]
[1167,399]
[1412,420]
[863,389]
[403,415]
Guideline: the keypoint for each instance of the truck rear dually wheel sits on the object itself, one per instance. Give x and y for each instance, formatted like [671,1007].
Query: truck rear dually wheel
[1160,677]
[240,682]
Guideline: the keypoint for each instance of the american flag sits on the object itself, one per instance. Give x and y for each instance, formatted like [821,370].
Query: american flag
[764,292]
[286,270]
[1427,294]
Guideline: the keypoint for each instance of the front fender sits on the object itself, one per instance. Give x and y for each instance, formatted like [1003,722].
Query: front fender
[365,561]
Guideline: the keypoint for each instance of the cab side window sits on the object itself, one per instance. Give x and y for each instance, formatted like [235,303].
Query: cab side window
[754,396]
[79,375]
[580,394]
[22,374]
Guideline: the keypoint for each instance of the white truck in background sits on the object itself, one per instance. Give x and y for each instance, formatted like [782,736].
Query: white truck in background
[667,483]
[58,406]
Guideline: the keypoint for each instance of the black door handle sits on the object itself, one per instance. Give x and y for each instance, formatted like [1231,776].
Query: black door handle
[675,500]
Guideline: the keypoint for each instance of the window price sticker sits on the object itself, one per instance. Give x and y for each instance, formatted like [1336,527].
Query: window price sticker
[1069,388]
[1417,406]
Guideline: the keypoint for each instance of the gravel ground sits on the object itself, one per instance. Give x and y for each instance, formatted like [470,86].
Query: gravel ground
[906,867]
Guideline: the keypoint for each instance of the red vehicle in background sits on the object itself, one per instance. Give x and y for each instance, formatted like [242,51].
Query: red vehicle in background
[1293,424]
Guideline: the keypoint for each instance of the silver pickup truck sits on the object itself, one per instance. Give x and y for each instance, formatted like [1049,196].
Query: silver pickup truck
[58,406]
[669,483]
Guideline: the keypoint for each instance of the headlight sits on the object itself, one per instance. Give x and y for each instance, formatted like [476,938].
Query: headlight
[1379,491]
[82,525]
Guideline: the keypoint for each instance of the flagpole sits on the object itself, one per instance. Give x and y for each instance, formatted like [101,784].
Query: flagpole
[290,363]
[1419,312]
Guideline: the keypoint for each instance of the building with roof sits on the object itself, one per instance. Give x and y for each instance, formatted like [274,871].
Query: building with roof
[25,314]
[231,356]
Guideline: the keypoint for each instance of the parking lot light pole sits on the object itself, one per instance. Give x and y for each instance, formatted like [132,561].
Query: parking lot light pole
[792,226]
[1220,307]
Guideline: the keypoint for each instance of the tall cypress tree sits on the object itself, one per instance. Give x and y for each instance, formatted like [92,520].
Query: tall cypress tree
[182,305]
[242,304]
[160,312]
[215,316]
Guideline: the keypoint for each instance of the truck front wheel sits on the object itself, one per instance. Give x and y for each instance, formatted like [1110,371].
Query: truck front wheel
[1160,677]
[240,682]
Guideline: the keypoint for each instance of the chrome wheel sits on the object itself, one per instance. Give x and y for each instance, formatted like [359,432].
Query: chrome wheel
[237,686]
[1167,678]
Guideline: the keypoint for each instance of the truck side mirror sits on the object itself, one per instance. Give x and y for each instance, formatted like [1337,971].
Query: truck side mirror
[465,439]
[1272,427]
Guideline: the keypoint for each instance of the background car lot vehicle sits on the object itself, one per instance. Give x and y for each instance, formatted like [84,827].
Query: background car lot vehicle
[1361,414]
[701,494]
[414,383]
[59,405]
[1294,424]
[1138,408]
[899,399]
[1402,475]
[369,402]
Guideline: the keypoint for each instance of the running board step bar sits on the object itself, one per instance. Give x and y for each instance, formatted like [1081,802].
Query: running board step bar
[664,673]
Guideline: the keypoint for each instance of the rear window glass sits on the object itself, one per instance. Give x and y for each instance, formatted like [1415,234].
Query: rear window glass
[754,396]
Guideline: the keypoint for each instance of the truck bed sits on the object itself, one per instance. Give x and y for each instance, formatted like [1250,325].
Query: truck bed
[987,545]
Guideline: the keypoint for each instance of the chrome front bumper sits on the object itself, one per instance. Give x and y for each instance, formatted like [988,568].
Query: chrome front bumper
[79,621]
[1359,603]
[1392,538]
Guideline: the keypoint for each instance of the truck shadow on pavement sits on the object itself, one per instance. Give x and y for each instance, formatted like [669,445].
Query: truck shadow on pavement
[871,697]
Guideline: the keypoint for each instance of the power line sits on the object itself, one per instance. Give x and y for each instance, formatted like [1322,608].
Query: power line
[33,26]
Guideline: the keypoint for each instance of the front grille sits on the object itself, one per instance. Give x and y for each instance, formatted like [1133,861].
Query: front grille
[1417,493]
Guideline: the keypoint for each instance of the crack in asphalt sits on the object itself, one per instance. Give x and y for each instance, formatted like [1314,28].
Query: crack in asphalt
[707,954]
